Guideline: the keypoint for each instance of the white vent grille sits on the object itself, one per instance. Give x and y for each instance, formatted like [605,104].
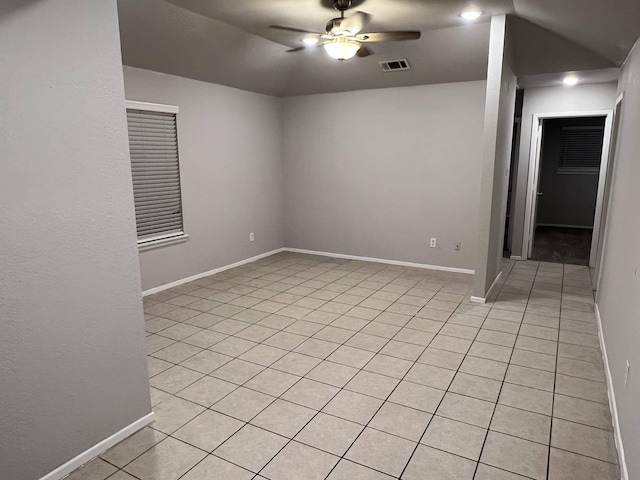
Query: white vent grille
[395,65]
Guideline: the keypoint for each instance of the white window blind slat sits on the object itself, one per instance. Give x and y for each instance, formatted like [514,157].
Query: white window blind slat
[153,146]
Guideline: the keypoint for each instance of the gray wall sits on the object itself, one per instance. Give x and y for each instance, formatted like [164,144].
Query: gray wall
[376,173]
[619,293]
[72,362]
[496,156]
[581,98]
[568,199]
[230,170]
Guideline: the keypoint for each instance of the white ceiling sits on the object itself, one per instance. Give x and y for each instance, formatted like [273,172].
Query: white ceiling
[229,42]
[603,75]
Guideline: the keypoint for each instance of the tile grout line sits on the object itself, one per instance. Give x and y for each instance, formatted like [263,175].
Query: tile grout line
[555,379]
[389,395]
[495,406]
[398,273]
[341,457]
[442,399]
[245,422]
[318,411]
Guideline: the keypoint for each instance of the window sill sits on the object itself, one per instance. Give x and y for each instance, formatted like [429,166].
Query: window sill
[162,242]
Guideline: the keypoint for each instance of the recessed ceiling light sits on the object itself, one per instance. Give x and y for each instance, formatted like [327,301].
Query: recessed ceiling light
[471,15]
[570,80]
[310,40]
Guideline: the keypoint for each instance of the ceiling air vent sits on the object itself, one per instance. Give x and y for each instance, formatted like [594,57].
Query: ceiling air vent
[395,65]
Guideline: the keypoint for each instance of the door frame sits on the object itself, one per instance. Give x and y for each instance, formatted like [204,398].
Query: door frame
[534,172]
[611,155]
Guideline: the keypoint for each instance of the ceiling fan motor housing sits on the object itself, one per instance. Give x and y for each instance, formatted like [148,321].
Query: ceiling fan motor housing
[341,5]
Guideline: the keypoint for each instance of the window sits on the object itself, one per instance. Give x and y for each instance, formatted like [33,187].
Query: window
[153,146]
[581,149]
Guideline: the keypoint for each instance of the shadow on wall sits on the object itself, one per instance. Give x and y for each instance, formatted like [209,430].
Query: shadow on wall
[8,7]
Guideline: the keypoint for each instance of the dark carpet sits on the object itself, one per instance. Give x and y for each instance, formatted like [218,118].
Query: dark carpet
[562,245]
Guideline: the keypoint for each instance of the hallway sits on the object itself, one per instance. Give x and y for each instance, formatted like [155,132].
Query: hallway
[562,245]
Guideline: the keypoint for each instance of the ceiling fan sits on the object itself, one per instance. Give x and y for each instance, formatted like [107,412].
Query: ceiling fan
[343,37]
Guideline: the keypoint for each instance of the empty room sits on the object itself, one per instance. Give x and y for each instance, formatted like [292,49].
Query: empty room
[319,239]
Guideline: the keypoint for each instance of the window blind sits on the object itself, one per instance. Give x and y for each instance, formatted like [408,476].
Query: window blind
[581,149]
[153,146]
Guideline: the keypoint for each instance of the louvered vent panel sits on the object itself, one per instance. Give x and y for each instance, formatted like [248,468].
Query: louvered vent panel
[395,65]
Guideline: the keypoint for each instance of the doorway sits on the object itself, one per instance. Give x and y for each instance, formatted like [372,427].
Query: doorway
[564,202]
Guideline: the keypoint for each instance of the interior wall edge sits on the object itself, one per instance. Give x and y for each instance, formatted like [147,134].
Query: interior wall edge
[496,156]
[490,292]
[612,400]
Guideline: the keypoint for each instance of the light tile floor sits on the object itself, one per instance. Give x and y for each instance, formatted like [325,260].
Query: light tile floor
[301,367]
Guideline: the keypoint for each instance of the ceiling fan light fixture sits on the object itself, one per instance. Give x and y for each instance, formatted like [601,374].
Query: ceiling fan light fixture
[342,49]
[471,15]
[570,80]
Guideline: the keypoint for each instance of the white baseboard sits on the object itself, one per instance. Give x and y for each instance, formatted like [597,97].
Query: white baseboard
[100,448]
[516,257]
[182,281]
[478,299]
[624,474]
[488,294]
[381,260]
[198,276]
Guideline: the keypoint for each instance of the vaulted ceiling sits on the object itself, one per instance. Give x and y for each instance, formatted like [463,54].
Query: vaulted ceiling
[229,42]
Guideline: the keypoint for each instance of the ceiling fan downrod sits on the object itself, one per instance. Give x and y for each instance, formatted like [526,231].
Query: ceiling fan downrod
[342,6]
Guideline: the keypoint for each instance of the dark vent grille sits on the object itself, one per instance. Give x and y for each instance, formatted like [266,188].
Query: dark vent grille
[395,65]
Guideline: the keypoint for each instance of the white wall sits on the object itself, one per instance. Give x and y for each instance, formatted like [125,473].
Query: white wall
[618,297]
[72,361]
[581,98]
[230,169]
[496,156]
[376,173]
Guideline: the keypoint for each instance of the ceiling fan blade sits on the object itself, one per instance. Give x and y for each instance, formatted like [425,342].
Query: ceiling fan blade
[306,47]
[354,23]
[389,36]
[297,49]
[364,52]
[296,30]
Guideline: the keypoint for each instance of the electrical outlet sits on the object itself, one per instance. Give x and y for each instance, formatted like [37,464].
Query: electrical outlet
[626,375]
[457,246]
[433,243]
[251,237]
